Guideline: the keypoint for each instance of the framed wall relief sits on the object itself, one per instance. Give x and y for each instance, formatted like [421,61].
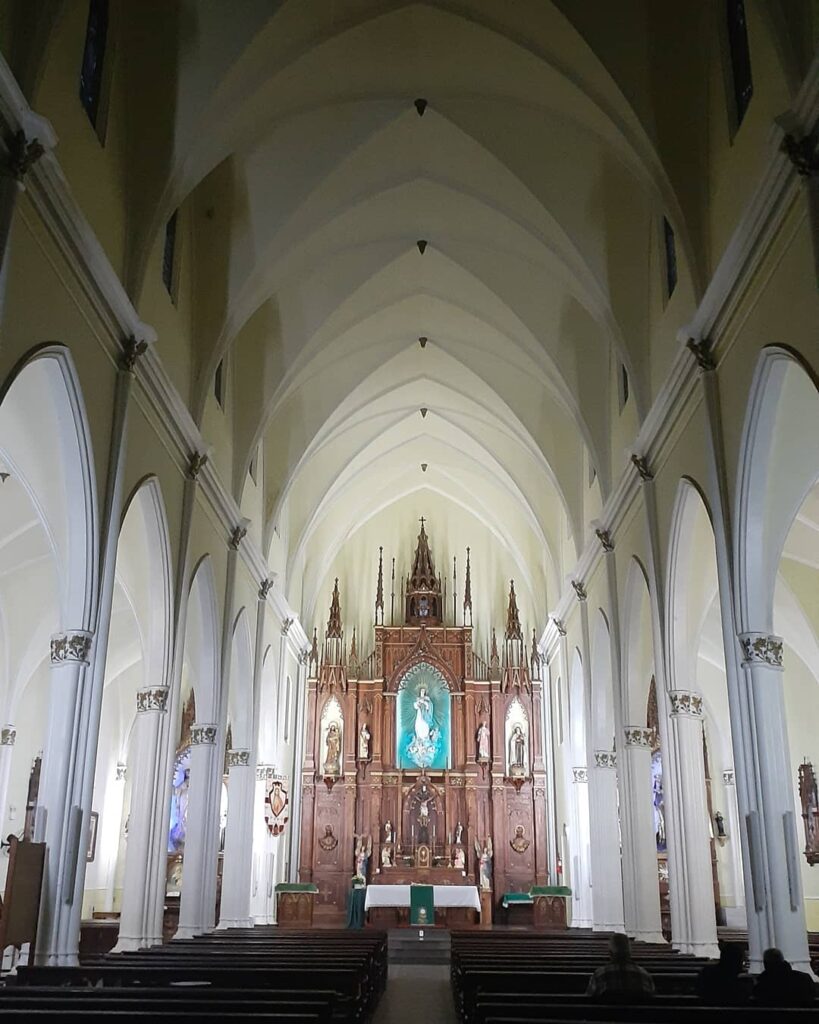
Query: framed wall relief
[810,811]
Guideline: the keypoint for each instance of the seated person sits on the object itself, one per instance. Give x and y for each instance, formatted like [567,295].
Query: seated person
[621,980]
[720,983]
[780,985]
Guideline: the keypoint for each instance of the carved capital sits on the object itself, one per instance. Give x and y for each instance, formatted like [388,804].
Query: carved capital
[238,536]
[304,655]
[728,777]
[265,587]
[701,350]
[605,540]
[640,463]
[154,698]
[580,774]
[8,734]
[238,759]
[684,702]
[196,464]
[761,649]
[265,771]
[286,626]
[561,629]
[605,758]
[639,736]
[802,154]
[74,646]
[132,349]
[122,771]
[580,590]
[203,734]
[23,154]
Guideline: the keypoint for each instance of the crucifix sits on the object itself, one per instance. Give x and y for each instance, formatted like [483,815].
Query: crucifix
[422,522]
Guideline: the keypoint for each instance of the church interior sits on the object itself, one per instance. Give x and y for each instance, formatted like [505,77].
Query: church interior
[409,501]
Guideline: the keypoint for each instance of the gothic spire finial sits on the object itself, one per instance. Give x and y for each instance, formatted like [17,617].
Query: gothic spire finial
[468,590]
[334,622]
[513,630]
[379,590]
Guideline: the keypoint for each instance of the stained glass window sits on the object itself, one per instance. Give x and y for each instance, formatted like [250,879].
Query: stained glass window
[670,258]
[169,254]
[740,57]
[93,56]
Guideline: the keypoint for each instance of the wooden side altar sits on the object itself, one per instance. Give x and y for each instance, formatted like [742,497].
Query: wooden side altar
[423,763]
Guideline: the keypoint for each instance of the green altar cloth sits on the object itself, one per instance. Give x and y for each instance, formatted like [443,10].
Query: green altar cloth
[355,906]
[422,905]
[296,887]
[512,899]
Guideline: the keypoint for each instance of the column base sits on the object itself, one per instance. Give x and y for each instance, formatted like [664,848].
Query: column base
[656,938]
[615,926]
[580,922]
[236,922]
[132,943]
[706,949]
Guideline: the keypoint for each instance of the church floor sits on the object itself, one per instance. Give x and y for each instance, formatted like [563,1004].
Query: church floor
[417,992]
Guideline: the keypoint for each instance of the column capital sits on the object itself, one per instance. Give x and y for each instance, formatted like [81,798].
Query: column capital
[685,702]
[606,540]
[267,771]
[639,736]
[605,758]
[238,759]
[72,646]
[728,777]
[640,463]
[153,698]
[802,154]
[701,349]
[122,771]
[8,734]
[761,649]
[580,774]
[196,463]
[561,629]
[203,733]
[580,590]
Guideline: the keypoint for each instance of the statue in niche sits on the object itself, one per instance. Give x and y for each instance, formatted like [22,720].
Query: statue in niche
[484,855]
[809,799]
[364,738]
[517,750]
[332,753]
[328,841]
[519,842]
[482,740]
[386,855]
[459,858]
[363,851]
[459,834]
[424,742]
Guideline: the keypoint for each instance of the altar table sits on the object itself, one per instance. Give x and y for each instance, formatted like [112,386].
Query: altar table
[463,896]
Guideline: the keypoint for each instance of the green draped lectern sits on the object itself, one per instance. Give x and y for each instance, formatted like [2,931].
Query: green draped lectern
[422,905]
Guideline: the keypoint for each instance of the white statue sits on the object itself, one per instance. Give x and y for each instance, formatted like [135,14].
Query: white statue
[386,855]
[363,850]
[459,858]
[332,754]
[517,748]
[484,862]
[364,737]
[459,834]
[388,837]
[483,742]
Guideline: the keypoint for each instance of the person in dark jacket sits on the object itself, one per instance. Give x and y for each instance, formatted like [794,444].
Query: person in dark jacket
[780,985]
[621,980]
[722,983]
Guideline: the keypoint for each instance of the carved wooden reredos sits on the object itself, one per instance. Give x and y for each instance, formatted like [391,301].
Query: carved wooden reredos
[408,773]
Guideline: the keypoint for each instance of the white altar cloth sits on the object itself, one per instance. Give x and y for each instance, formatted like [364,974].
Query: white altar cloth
[442,896]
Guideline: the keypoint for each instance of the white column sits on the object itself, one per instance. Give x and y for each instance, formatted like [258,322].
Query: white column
[197,904]
[762,663]
[8,735]
[238,859]
[581,885]
[261,893]
[60,820]
[643,921]
[606,874]
[734,849]
[694,928]
[140,923]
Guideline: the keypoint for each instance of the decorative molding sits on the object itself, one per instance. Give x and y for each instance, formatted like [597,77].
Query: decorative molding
[685,702]
[196,463]
[238,759]
[802,153]
[606,542]
[154,698]
[639,736]
[580,774]
[8,734]
[605,758]
[238,535]
[22,154]
[286,626]
[561,629]
[122,771]
[203,734]
[728,777]
[579,590]
[265,587]
[761,649]
[74,646]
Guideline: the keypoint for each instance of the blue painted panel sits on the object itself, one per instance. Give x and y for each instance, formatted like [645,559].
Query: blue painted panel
[423,719]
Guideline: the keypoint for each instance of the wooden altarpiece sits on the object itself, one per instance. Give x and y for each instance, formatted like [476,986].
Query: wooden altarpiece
[422,823]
